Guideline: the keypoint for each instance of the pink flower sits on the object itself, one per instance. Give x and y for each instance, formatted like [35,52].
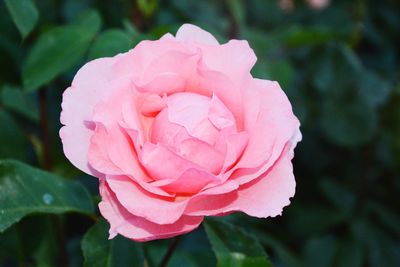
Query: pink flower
[288,5]
[178,129]
[318,4]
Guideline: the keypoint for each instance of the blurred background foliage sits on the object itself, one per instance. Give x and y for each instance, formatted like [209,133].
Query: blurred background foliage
[338,64]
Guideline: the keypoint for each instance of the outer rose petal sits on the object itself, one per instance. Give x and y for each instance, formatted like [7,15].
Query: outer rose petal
[269,119]
[234,59]
[135,62]
[157,209]
[77,107]
[192,33]
[264,197]
[137,228]
[181,185]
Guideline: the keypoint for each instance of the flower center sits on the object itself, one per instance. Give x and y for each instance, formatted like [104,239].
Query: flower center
[194,126]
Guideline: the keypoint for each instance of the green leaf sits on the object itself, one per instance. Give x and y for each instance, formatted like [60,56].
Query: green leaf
[282,71]
[15,99]
[25,190]
[387,216]
[39,239]
[306,221]
[381,248]
[12,135]
[348,122]
[332,190]
[90,20]
[262,42]
[374,89]
[24,14]
[331,62]
[193,250]
[110,43]
[9,246]
[130,28]
[349,253]
[237,10]
[98,251]
[283,253]
[58,50]
[299,36]
[147,7]
[320,252]
[234,247]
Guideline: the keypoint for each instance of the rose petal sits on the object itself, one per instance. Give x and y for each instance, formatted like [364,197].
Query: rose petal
[234,59]
[225,89]
[191,111]
[167,133]
[111,153]
[88,87]
[98,156]
[263,197]
[245,175]
[137,228]
[134,62]
[270,127]
[191,181]
[192,33]
[235,145]
[202,154]
[152,104]
[172,165]
[220,116]
[139,202]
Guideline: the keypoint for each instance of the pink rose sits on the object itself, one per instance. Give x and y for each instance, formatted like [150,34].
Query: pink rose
[178,129]
[288,5]
[318,4]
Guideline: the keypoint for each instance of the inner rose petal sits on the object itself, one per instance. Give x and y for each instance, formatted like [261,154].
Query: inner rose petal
[191,111]
[202,154]
[172,165]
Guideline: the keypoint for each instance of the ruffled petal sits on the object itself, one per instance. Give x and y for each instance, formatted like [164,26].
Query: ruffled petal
[192,33]
[155,208]
[88,88]
[202,154]
[137,228]
[172,167]
[234,59]
[270,122]
[190,182]
[263,197]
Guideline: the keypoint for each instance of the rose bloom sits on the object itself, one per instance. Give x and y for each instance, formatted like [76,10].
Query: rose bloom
[318,4]
[177,129]
[288,5]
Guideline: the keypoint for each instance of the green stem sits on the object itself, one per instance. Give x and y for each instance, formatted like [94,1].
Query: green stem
[21,249]
[172,247]
[44,125]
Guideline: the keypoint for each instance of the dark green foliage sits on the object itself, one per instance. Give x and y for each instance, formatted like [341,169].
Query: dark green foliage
[339,67]
[25,190]
[24,14]
[234,247]
[98,251]
[59,49]
[110,43]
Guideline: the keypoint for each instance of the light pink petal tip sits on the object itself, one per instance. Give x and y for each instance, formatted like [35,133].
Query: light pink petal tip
[137,228]
[264,197]
[192,33]
[87,88]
